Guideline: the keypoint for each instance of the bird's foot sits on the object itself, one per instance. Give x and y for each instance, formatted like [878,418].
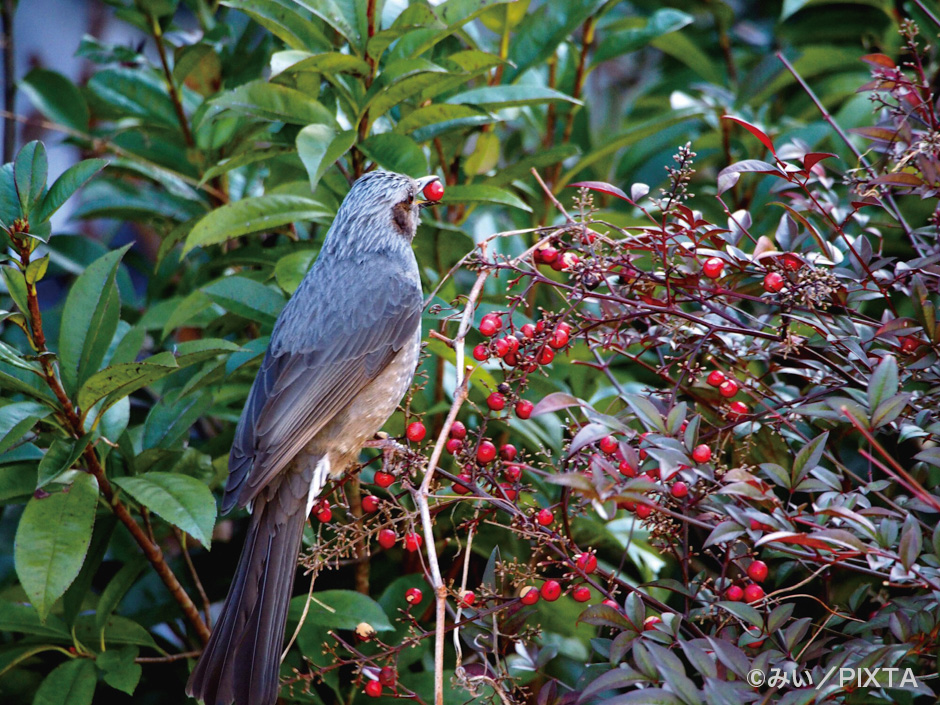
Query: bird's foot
[389,447]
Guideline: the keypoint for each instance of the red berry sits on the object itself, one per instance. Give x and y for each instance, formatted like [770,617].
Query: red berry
[486,452]
[609,445]
[467,598]
[753,632]
[650,623]
[626,469]
[564,326]
[387,676]
[453,445]
[416,431]
[546,355]
[508,490]
[757,571]
[325,514]
[413,596]
[581,594]
[507,452]
[529,595]
[909,344]
[513,473]
[644,510]
[702,454]
[545,517]
[559,339]
[792,262]
[524,408]
[480,354]
[737,409]
[713,267]
[753,593]
[373,689]
[679,490]
[715,378]
[734,594]
[463,487]
[413,541]
[773,282]
[502,347]
[387,538]
[528,330]
[490,324]
[611,603]
[370,503]
[434,191]
[384,479]
[627,505]
[546,255]
[586,562]
[496,401]
[728,388]
[458,430]
[551,590]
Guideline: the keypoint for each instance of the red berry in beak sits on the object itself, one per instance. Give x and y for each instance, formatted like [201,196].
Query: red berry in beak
[434,191]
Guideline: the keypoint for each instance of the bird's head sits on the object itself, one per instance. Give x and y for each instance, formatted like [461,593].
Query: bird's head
[382,209]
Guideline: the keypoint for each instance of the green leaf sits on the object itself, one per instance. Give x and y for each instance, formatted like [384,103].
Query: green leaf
[911,542]
[118,381]
[36,270]
[73,179]
[884,382]
[499,97]
[25,619]
[57,98]
[247,298]
[485,155]
[119,669]
[442,113]
[61,455]
[16,286]
[744,612]
[135,92]
[320,147]
[285,63]
[18,418]
[271,101]
[117,630]
[286,21]
[29,174]
[70,683]
[89,319]
[401,80]
[181,500]
[341,609]
[252,215]
[540,33]
[170,419]
[9,201]
[52,539]
[808,458]
[115,590]
[291,269]
[627,35]
[646,412]
[396,153]
[484,194]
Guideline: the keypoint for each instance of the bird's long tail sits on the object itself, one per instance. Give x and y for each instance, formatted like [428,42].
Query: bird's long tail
[241,662]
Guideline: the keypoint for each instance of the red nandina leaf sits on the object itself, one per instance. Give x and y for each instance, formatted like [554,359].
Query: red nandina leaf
[879,134]
[813,158]
[898,179]
[754,130]
[879,61]
[603,187]
[790,537]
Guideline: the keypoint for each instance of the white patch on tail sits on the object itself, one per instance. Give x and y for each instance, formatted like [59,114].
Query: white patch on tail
[320,474]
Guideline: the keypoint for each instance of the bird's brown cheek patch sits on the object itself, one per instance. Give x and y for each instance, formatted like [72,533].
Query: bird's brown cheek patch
[402,216]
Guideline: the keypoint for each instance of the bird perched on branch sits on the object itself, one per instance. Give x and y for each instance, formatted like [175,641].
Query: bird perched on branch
[341,357]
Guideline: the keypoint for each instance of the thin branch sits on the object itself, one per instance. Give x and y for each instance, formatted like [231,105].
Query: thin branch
[7,10]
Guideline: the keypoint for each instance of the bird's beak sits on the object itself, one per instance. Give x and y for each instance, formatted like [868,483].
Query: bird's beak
[423,182]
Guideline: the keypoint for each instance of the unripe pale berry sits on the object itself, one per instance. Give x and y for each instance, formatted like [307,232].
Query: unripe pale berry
[416,431]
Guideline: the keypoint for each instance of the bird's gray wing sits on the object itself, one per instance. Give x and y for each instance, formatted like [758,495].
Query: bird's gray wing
[332,339]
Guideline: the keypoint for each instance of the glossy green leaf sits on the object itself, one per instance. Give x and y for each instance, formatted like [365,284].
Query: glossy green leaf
[9,201]
[396,153]
[89,320]
[16,287]
[484,194]
[57,98]
[52,539]
[341,15]
[18,418]
[291,269]
[119,668]
[498,97]
[180,500]
[629,35]
[69,683]
[66,185]
[290,62]
[401,81]
[25,619]
[271,101]
[247,298]
[117,381]
[29,174]
[286,20]
[60,456]
[341,609]
[171,419]
[319,147]
[540,33]
[884,382]
[252,215]
[134,92]
[430,115]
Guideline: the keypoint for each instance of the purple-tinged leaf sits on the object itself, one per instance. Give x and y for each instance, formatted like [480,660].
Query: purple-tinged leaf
[603,187]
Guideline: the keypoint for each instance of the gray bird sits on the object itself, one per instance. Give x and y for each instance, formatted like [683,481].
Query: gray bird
[342,355]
